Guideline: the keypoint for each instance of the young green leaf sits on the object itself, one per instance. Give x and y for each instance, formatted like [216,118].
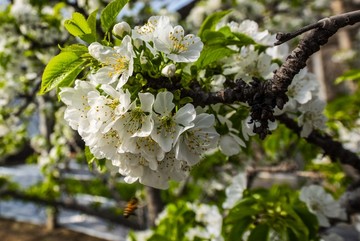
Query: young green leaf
[78,49]
[79,27]
[351,75]
[89,158]
[211,21]
[211,54]
[61,71]
[238,229]
[92,23]
[110,12]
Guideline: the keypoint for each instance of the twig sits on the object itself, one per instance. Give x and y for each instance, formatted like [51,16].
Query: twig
[334,22]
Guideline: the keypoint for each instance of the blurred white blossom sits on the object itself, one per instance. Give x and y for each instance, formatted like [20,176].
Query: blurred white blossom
[321,203]
[234,192]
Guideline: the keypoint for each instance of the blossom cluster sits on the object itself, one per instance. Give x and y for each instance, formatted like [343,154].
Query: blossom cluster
[147,137]
[248,62]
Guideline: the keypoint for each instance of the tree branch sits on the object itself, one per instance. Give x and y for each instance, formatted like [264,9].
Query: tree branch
[107,214]
[263,96]
[332,22]
[333,149]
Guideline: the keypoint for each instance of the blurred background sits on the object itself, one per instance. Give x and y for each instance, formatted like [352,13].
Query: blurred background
[44,176]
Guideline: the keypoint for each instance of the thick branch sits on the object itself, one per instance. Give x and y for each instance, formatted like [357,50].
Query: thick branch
[106,214]
[333,149]
[307,46]
[262,97]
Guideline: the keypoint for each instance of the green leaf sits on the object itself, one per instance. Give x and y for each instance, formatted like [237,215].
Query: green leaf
[309,220]
[110,13]
[238,229]
[158,237]
[211,21]
[213,37]
[89,157]
[353,74]
[244,209]
[78,25]
[211,54]
[92,23]
[78,49]
[243,39]
[61,71]
[260,232]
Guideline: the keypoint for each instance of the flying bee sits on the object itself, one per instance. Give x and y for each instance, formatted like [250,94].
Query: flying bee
[131,206]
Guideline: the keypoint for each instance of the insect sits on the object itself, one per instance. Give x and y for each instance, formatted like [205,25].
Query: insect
[131,206]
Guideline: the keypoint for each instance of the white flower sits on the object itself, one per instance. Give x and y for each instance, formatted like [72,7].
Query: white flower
[279,51]
[169,126]
[121,29]
[321,203]
[251,29]
[197,140]
[302,86]
[248,64]
[217,82]
[311,117]
[105,110]
[76,100]
[137,121]
[230,143]
[151,28]
[169,70]
[211,222]
[145,146]
[178,47]
[200,11]
[155,174]
[118,62]
[104,145]
[234,192]
[168,169]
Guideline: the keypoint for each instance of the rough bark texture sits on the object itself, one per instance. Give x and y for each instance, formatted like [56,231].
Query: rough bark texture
[154,203]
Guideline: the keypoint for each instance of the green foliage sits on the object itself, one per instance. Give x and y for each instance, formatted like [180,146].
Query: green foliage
[266,214]
[178,220]
[284,144]
[110,13]
[47,189]
[7,184]
[91,160]
[211,21]
[333,175]
[61,71]
[79,27]
[343,109]
[13,141]
[350,75]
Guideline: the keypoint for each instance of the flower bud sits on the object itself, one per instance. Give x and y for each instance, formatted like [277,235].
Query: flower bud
[169,70]
[121,29]
[143,58]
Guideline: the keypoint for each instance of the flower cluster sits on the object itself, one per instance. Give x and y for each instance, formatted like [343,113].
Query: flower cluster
[147,137]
